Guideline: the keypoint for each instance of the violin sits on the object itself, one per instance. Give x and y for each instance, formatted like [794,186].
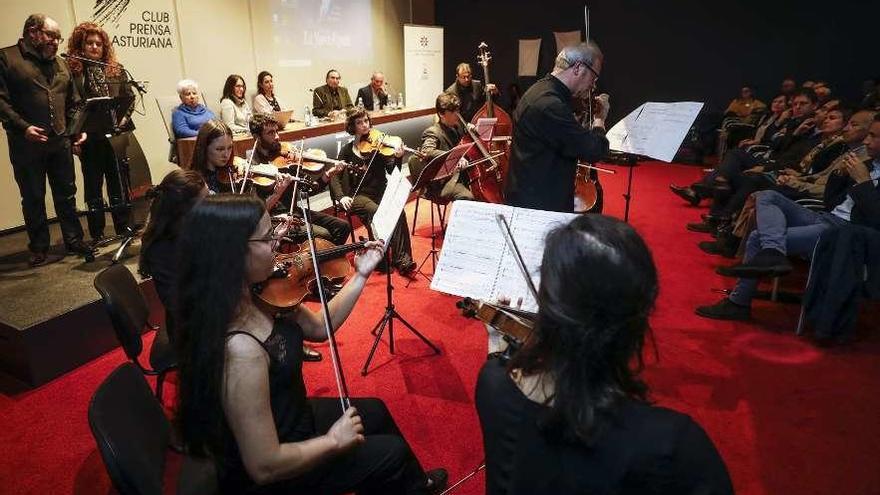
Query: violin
[260,175]
[294,276]
[314,160]
[588,193]
[517,325]
[379,142]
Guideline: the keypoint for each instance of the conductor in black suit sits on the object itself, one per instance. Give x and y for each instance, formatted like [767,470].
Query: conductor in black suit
[373,95]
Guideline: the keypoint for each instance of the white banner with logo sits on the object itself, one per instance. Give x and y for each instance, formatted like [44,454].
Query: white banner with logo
[423,64]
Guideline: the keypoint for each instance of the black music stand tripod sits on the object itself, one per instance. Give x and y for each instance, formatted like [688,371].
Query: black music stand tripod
[387,320]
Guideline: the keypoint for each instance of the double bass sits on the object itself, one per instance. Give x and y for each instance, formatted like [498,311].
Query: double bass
[487,178]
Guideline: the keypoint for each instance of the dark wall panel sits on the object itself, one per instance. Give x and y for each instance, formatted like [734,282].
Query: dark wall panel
[683,50]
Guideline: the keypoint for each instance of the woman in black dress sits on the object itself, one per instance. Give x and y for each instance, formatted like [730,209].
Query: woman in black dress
[568,413]
[242,396]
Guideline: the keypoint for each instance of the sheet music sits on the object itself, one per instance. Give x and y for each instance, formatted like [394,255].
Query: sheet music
[654,129]
[476,262]
[391,206]
[486,127]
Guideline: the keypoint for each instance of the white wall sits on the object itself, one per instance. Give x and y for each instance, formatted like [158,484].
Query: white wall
[211,39]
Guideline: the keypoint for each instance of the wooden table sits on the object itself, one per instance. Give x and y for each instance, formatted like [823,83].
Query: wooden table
[297,130]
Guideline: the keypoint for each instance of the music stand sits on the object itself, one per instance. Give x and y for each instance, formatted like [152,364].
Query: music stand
[390,315]
[440,167]
[109,117]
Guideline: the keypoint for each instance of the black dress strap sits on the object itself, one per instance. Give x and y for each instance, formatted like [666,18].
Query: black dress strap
[242,332]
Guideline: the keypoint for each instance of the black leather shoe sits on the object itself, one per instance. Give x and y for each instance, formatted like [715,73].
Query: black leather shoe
[38,259]
[767,263]
[717,248]
[685,193]
[311,355]
[406,268]
[81,248]
[437,480]
[725,271]
[725,309]
[701,227]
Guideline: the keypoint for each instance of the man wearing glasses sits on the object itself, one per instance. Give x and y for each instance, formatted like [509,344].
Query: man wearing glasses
[548,141]
[37,101]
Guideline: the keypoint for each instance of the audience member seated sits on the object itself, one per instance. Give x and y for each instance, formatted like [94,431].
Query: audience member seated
[569,412]
[871,95]
[796,187]
[823,91]
[373,96]
[331,100]
[171,200]
[234,110]
[189,116]
[798,138]
[785,228]
[746,107]
[265,100]
[788,87]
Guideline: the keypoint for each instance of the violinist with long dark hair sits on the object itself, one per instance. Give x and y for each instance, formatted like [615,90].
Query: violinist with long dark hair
[569,413]
[548,141]
[242,396]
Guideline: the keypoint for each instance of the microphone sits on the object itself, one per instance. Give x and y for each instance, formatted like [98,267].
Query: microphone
[318,95]
[139,85]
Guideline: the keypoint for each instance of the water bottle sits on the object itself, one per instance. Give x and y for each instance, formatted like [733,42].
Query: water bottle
[307,116]
[360,103]
[400,100]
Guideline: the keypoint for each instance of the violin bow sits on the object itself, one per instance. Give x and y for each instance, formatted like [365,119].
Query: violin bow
[341,385]
[511,243]
[477,142]
[247,168]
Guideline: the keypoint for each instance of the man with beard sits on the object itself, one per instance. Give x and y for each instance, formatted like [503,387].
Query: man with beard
[37,101]
[548,141]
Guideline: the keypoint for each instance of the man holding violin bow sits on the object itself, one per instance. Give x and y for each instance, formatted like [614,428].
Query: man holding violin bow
[269,149]
[359,189]
[548,141]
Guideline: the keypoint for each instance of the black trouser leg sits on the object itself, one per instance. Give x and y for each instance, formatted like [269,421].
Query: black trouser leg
[401,248]
[384,464]
[62,180]
[29,167]
[331,228]
[735,162]
[91,159]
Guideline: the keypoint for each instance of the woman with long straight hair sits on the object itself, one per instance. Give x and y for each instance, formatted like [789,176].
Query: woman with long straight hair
[242,395]
[171,201]
[568,413]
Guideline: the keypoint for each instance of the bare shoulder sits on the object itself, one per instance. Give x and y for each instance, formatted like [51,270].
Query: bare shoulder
[244,347]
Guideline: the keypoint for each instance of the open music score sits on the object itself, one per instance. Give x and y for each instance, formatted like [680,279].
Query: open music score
[392,204]
[654,129]
[475,261]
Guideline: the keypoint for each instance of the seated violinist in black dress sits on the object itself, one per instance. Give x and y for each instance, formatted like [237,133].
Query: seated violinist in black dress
[242,396]
[568,413]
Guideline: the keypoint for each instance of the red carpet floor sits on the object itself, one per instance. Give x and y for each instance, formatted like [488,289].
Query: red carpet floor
[786,416]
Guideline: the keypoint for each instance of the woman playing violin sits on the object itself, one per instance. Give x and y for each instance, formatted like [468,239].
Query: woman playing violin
[359,192]
[569,413]
[242,395]
[213,159]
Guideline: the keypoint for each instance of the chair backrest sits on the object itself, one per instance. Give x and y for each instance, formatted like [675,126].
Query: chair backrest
[126,306]
[166,105]
[131,431]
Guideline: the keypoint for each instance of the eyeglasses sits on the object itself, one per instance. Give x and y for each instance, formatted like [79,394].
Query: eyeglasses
[596,79]
[52,36]
[270,237]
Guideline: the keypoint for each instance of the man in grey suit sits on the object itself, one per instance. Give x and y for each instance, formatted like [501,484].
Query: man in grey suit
[37,102]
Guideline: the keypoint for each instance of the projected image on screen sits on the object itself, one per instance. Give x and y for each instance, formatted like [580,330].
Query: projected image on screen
[327,30]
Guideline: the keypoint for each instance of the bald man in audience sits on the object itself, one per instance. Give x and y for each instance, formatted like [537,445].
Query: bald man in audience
[373,96]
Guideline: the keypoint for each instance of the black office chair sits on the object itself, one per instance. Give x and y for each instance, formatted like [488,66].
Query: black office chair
[129,312]
[132,434]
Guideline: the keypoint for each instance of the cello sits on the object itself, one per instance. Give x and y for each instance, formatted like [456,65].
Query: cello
[487,179]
